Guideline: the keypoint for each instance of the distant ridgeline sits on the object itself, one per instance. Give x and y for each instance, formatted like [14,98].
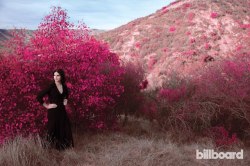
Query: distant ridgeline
[4,34]
[7,33]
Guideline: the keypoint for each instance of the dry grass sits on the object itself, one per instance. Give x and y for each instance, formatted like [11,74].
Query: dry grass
[139,143]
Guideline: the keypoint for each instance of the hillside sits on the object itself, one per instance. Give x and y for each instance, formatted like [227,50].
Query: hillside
[183,37]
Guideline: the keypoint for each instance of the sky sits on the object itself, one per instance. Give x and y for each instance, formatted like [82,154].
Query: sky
[96,14]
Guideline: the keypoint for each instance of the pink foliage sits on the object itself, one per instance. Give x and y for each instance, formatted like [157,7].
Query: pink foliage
[214,15]
[172,95]
[188,33]
[207,46]
[172,29]
[192,40]
[173,3]
[165,50]
[221,136]
[138,45]
[238,48]
[94,76]
[189,53]
[191,16]
[187,5]
[143,85]
[164,10]
[152,61]
[245,26]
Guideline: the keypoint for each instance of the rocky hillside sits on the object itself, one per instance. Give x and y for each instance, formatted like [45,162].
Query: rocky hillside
[184,36]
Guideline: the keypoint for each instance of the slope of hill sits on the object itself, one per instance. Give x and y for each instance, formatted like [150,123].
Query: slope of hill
[184,36]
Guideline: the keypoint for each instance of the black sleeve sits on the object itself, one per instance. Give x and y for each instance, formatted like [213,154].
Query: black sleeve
[66,92]
[42,93]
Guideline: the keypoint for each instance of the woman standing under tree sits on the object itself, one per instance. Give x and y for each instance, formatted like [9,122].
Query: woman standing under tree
[59,129]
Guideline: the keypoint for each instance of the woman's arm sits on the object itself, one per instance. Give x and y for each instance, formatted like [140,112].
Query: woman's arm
[41,94]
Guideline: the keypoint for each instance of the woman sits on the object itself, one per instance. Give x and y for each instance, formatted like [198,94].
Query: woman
[59,130]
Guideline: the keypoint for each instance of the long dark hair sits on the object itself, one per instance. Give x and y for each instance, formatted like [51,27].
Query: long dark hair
[62,74]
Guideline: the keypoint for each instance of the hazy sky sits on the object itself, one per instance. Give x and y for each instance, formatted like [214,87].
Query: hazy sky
[98,14]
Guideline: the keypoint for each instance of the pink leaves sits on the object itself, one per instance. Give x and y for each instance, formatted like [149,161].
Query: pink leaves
[164,10]
[175,2]
[238,48]
[191,16]
[138,45]
[172,29]
[234,70]
[188,33]
[214,15]
[143,85]
[189,53]
[221,136]
[152,61]
[172,95]
[245,26]
[69,85]
[186,5]
[28,65]
[207,46]
[192,40]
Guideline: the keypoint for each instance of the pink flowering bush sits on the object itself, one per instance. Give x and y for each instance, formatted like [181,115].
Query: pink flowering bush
[207,46]
[172,29]
[165,104]
[222,137]
[172,95]
[222,97]
[152,61]
[164,10]
[245,26]
[191,16]
[173,3]
[189,53]
[192,40]
[218,95]
[214,15]
[93,73]
[186,5]
[143,85]
[138,45]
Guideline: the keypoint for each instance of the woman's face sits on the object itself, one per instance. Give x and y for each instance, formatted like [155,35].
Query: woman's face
[57,77]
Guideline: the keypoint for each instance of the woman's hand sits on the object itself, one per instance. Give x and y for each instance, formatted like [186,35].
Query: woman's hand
[65,102]
[49,106]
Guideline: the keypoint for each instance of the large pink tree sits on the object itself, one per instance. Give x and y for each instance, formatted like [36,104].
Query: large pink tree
[93,76]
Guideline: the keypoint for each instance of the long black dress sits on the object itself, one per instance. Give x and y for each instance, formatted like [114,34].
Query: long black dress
[59,132]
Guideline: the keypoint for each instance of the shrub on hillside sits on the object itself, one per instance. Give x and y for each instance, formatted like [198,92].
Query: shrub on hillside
[217,97]
[225,90]
[94,76]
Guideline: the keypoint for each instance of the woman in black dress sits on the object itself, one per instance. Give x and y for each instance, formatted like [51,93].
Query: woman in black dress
[59,132]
